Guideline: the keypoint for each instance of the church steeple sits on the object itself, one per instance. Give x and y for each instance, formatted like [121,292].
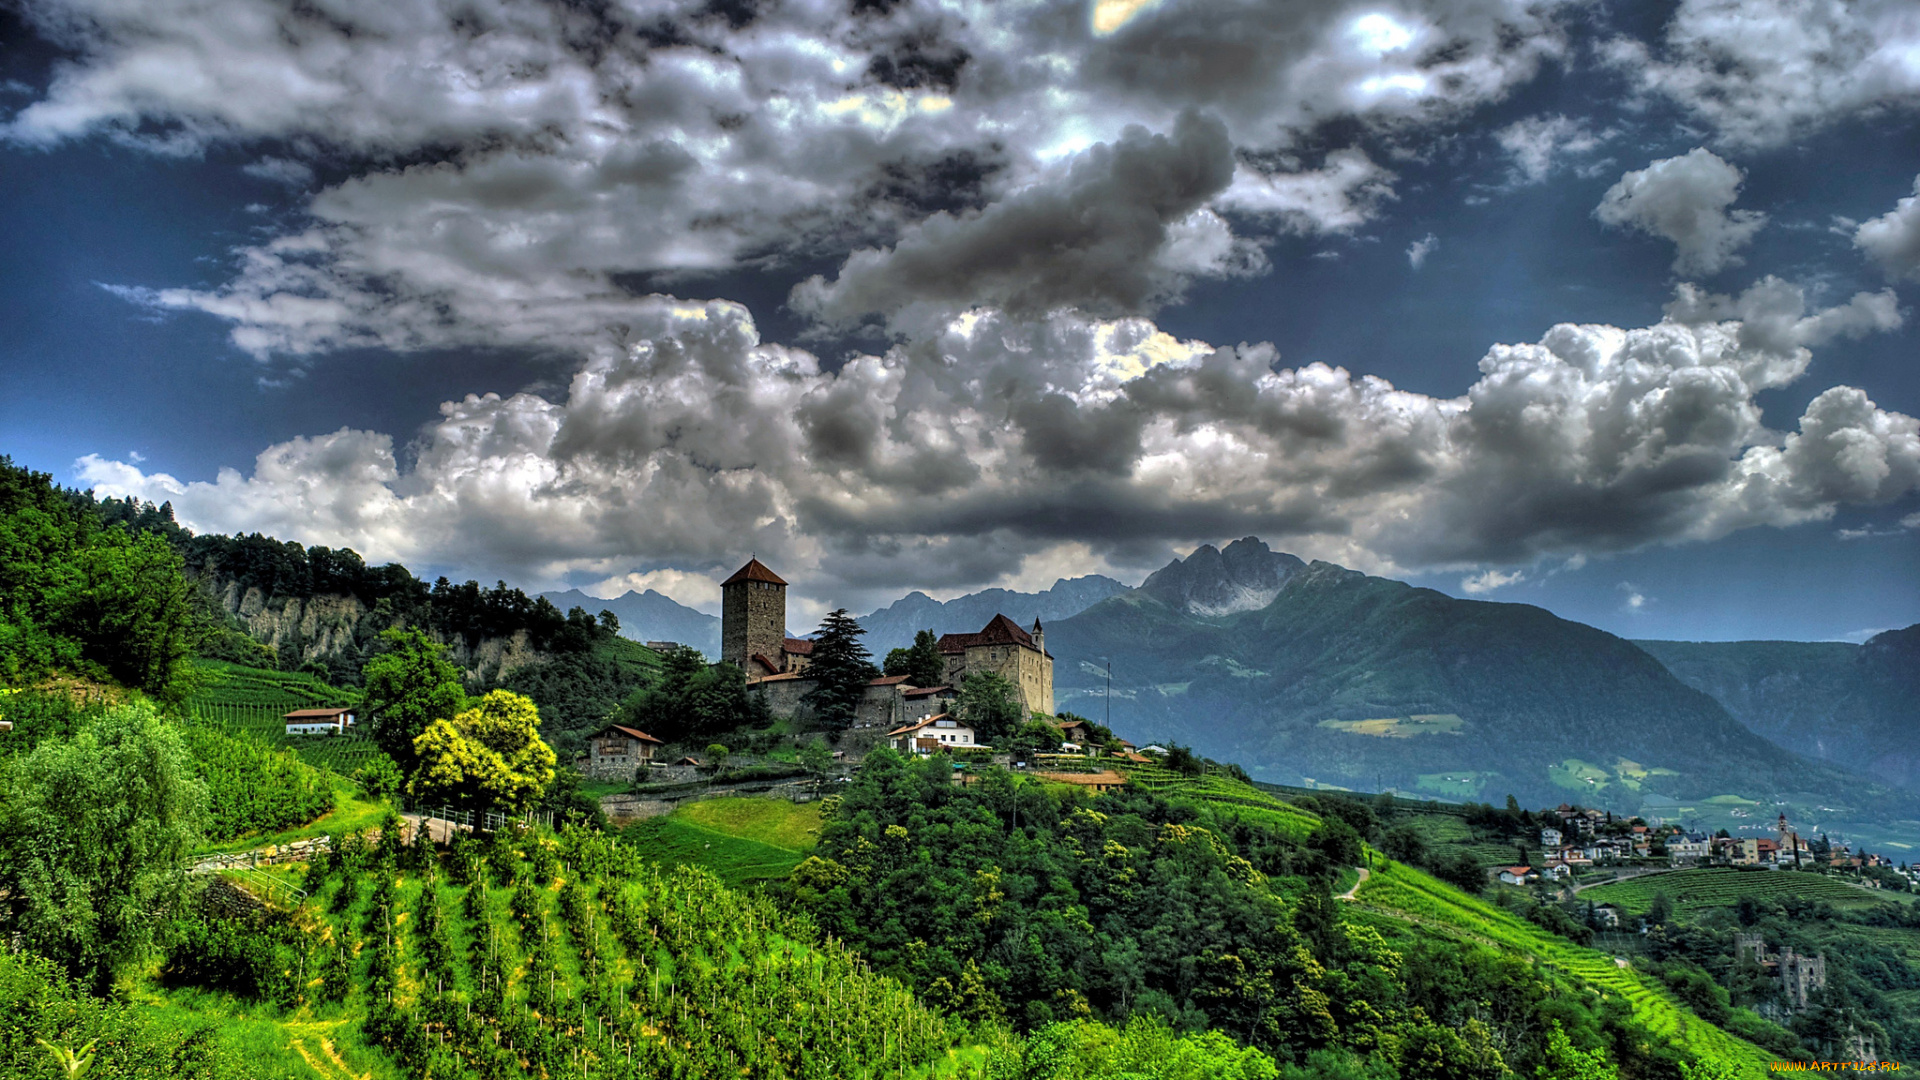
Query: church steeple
[1039,636]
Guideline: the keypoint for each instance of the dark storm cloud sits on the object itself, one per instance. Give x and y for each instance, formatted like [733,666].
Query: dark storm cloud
[1094,237]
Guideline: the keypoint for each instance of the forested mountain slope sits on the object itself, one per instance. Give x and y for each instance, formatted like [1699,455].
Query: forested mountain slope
[1364,682]
[1855,705]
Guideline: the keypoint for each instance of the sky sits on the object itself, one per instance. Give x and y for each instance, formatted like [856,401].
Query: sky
[1603,307]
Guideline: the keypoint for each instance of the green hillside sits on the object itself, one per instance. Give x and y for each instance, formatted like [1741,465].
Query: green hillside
[1857,705]
[1352,681]
[1691,891]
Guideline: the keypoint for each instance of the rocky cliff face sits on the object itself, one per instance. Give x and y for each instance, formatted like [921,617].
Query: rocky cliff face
[329,628]
[1246,576]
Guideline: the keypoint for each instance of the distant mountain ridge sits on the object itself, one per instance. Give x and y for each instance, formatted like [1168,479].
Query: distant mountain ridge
[1362,682]
[651,616]
[1855,705]
[1245,576]
[893,626]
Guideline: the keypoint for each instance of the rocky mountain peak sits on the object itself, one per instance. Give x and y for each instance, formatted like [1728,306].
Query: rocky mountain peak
[1244,576]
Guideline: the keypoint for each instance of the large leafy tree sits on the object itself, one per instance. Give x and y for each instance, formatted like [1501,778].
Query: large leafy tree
[93,831]
[922,664]
[81,595]
[488,757]
[409,687]
[991,703]
[692,700]
[841,669]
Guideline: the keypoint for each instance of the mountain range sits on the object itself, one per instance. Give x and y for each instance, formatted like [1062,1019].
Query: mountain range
[1348,680]
[1855,705]
[651,616]
[1316,674]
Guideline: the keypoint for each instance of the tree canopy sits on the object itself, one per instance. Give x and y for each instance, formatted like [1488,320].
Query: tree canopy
[922,664]
[80,595]
[409,687]
[487,757]
[691,700]
[990,703]
[841,668]
[93,831]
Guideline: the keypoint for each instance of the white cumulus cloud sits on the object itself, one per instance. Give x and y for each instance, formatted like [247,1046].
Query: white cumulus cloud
[993,439]
[1685,199]
[1761,72]
[1893,238]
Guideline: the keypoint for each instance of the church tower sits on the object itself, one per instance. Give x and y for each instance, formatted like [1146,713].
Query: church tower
[753,615]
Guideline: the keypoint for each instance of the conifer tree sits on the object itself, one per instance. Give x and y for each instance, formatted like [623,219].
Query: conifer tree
[841,669]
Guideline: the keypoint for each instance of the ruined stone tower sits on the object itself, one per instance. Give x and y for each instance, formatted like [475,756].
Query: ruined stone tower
[753,615]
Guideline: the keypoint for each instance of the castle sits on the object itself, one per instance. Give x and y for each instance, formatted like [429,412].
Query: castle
[753,635]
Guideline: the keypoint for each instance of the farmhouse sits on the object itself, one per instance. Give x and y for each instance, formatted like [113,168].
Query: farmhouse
[934,734]
[318,721]
[614,752]
[1518,875]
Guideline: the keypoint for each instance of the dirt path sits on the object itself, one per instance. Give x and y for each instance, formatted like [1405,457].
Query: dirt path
[1364,875]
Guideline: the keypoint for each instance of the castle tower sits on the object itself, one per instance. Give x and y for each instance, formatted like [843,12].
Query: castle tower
[1039,636]
[753,615]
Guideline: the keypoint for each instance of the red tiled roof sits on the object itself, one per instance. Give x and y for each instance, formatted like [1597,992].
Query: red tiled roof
[928,691]
[301,714]
[798,646]
[887,680]
[634,732]
[1000,631]
[755,570]
[772,668]
[781,677]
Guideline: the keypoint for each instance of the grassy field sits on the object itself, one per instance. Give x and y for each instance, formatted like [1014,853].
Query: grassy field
[1711,887]
[305,1046]
[776,822]
[676,841]
[1402,893]
[1400,727]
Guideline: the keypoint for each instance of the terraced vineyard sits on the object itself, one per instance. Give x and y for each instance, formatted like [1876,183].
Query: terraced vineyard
[253,702]
[1233,795]
[595,964]
[1711,887]
[1400,892]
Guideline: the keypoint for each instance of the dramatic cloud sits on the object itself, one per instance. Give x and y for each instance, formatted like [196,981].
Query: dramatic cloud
[1893,238]
[1537,143]
[1761,72]
[1116,233]
[998,439]
[1685,199]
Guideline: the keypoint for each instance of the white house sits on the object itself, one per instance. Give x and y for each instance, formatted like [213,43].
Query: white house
[1559,871]
[318,721]
[935,733]
[1518,875]
[1549,839]
[1688,848]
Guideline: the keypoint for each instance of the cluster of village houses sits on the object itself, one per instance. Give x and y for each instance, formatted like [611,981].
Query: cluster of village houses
[1586,838]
